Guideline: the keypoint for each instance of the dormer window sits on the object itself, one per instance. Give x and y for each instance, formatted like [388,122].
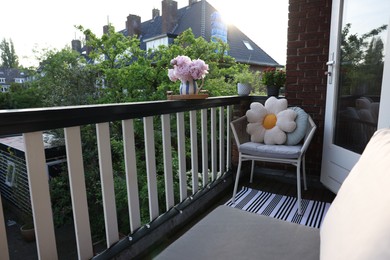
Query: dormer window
[154,42]
[248,45]
[2,80]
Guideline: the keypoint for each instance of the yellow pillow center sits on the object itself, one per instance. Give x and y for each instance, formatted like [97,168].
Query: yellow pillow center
[269,121]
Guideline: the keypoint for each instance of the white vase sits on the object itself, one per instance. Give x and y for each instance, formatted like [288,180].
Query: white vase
[188,87]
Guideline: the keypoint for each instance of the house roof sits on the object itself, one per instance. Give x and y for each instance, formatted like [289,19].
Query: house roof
[10,75]
[17,141]
[191,17]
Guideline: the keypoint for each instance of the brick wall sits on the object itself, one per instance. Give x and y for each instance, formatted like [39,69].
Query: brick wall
[307,54]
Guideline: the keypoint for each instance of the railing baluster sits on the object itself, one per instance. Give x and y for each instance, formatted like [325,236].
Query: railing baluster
[40,195]
[151,167]
[182,156]
[167,153]
[107,180]
[131,174]
[228,137]
[221,140]
[205,154]
[214,151]
[78,192]
[3,235]
[194,151]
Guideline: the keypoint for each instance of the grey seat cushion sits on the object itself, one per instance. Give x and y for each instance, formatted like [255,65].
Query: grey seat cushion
[272,151]
[229,233]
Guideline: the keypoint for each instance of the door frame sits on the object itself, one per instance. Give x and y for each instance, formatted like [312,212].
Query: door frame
[337,162]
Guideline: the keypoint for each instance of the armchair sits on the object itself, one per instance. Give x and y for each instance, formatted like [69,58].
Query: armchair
[250,151]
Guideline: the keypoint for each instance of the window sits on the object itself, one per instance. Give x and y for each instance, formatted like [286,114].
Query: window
[248,45]
[4,88]
[154,43]
[19,80]
[10,178]
[2,80]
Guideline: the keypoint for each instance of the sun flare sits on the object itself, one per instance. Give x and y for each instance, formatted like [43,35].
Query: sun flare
[227,14]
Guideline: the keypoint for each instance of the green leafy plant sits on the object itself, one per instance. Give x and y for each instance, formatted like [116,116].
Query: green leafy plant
[273,77]
[244,77]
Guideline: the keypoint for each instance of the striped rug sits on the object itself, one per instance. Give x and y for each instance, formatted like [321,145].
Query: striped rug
[281,207]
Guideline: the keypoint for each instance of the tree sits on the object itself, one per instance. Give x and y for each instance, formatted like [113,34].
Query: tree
[64,79]
[9,58]
[21,96]
[132,74]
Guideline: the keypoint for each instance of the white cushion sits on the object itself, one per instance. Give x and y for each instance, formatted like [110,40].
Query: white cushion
[271,150]
[357,225]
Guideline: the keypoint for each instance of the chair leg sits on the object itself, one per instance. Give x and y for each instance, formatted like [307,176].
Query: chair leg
[237,179]
[252,168]
[304,173]
[299,188]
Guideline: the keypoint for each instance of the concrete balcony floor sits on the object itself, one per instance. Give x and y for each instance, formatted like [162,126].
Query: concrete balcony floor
[268,180]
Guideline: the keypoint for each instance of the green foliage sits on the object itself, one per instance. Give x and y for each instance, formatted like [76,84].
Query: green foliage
[273,77]
[60,199]
[64,79]
[125,74]
[9,59]
[4,101]
[21,96]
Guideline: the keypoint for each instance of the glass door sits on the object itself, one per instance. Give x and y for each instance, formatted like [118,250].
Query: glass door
[355,84]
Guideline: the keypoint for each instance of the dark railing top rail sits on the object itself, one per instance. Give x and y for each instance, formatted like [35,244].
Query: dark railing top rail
[39,119]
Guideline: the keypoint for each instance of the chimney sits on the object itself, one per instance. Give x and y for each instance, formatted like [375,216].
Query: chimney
[76,45]
[155,13]
[169,15]
[190,2]
[88,48]
[133,25]
[105,29]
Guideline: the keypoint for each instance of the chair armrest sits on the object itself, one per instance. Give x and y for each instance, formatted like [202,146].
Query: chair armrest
[311,128]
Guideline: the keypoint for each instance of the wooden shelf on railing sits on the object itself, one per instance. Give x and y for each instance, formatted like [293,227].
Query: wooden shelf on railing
[201,95]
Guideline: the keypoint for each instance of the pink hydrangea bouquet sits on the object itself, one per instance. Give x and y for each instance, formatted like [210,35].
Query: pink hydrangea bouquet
[186,69]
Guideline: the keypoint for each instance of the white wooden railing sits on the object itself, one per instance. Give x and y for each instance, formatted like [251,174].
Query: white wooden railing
[210,138]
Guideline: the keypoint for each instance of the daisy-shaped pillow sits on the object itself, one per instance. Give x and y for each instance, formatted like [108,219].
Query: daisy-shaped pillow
[269,123]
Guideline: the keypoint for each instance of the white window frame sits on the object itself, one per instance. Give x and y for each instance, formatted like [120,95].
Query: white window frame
[248,45]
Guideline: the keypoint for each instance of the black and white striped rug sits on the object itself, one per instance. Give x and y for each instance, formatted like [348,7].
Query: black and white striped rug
[280,207]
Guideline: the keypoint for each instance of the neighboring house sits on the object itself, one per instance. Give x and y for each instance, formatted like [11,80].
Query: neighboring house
[9,76]
[13,171]
[204,20]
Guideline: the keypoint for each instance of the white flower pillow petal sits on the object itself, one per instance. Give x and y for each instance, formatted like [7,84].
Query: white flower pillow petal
[286,120]
[295,137]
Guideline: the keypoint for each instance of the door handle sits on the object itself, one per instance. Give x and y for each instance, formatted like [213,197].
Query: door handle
[329,73]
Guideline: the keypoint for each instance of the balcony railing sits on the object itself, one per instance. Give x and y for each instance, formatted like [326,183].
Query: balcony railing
[193,133]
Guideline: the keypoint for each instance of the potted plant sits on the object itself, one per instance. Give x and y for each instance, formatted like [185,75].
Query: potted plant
[273,79]
[27,229]
[245,79]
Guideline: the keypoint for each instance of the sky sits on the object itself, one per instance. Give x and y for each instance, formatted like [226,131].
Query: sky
[41,24]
